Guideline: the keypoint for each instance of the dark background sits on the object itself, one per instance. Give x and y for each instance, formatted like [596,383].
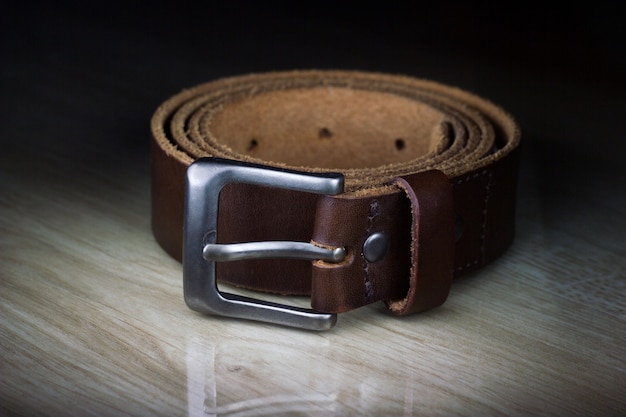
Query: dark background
[532,58]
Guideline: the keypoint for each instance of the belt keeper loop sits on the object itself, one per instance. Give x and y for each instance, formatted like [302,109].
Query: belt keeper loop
[432,241]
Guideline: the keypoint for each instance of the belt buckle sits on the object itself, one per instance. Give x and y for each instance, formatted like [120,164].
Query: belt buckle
[205,179]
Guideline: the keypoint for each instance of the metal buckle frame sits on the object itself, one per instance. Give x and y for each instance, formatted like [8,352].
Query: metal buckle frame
[205,179]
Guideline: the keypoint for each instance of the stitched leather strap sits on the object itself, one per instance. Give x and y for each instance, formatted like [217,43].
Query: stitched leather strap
[430,166]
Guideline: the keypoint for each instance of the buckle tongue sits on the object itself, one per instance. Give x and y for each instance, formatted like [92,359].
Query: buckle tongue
[205,179]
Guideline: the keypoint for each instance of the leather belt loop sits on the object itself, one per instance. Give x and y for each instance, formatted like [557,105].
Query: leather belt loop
[414,270]
[432,242]
[351,221]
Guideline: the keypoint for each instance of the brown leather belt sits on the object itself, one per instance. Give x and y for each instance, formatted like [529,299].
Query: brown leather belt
[425,189]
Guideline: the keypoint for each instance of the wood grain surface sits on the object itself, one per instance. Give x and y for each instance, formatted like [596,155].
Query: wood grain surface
[92,316]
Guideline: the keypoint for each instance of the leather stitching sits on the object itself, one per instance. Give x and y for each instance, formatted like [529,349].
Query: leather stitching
[481,247]
[374,211]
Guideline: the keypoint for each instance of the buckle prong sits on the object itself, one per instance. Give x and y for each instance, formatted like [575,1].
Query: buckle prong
[205,179]
[271,249]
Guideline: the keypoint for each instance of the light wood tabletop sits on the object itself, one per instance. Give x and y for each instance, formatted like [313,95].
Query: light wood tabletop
[93,320]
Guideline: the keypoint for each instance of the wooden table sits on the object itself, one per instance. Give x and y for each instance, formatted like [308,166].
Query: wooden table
[92,316]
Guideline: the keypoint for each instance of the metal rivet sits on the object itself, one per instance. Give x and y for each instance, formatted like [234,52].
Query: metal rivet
[375,247]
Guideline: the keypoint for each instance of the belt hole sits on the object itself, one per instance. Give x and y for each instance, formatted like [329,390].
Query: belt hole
[325,133]
[400,144]
[253,144]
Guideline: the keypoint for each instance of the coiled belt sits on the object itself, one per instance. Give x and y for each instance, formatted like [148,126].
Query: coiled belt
[375,187]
